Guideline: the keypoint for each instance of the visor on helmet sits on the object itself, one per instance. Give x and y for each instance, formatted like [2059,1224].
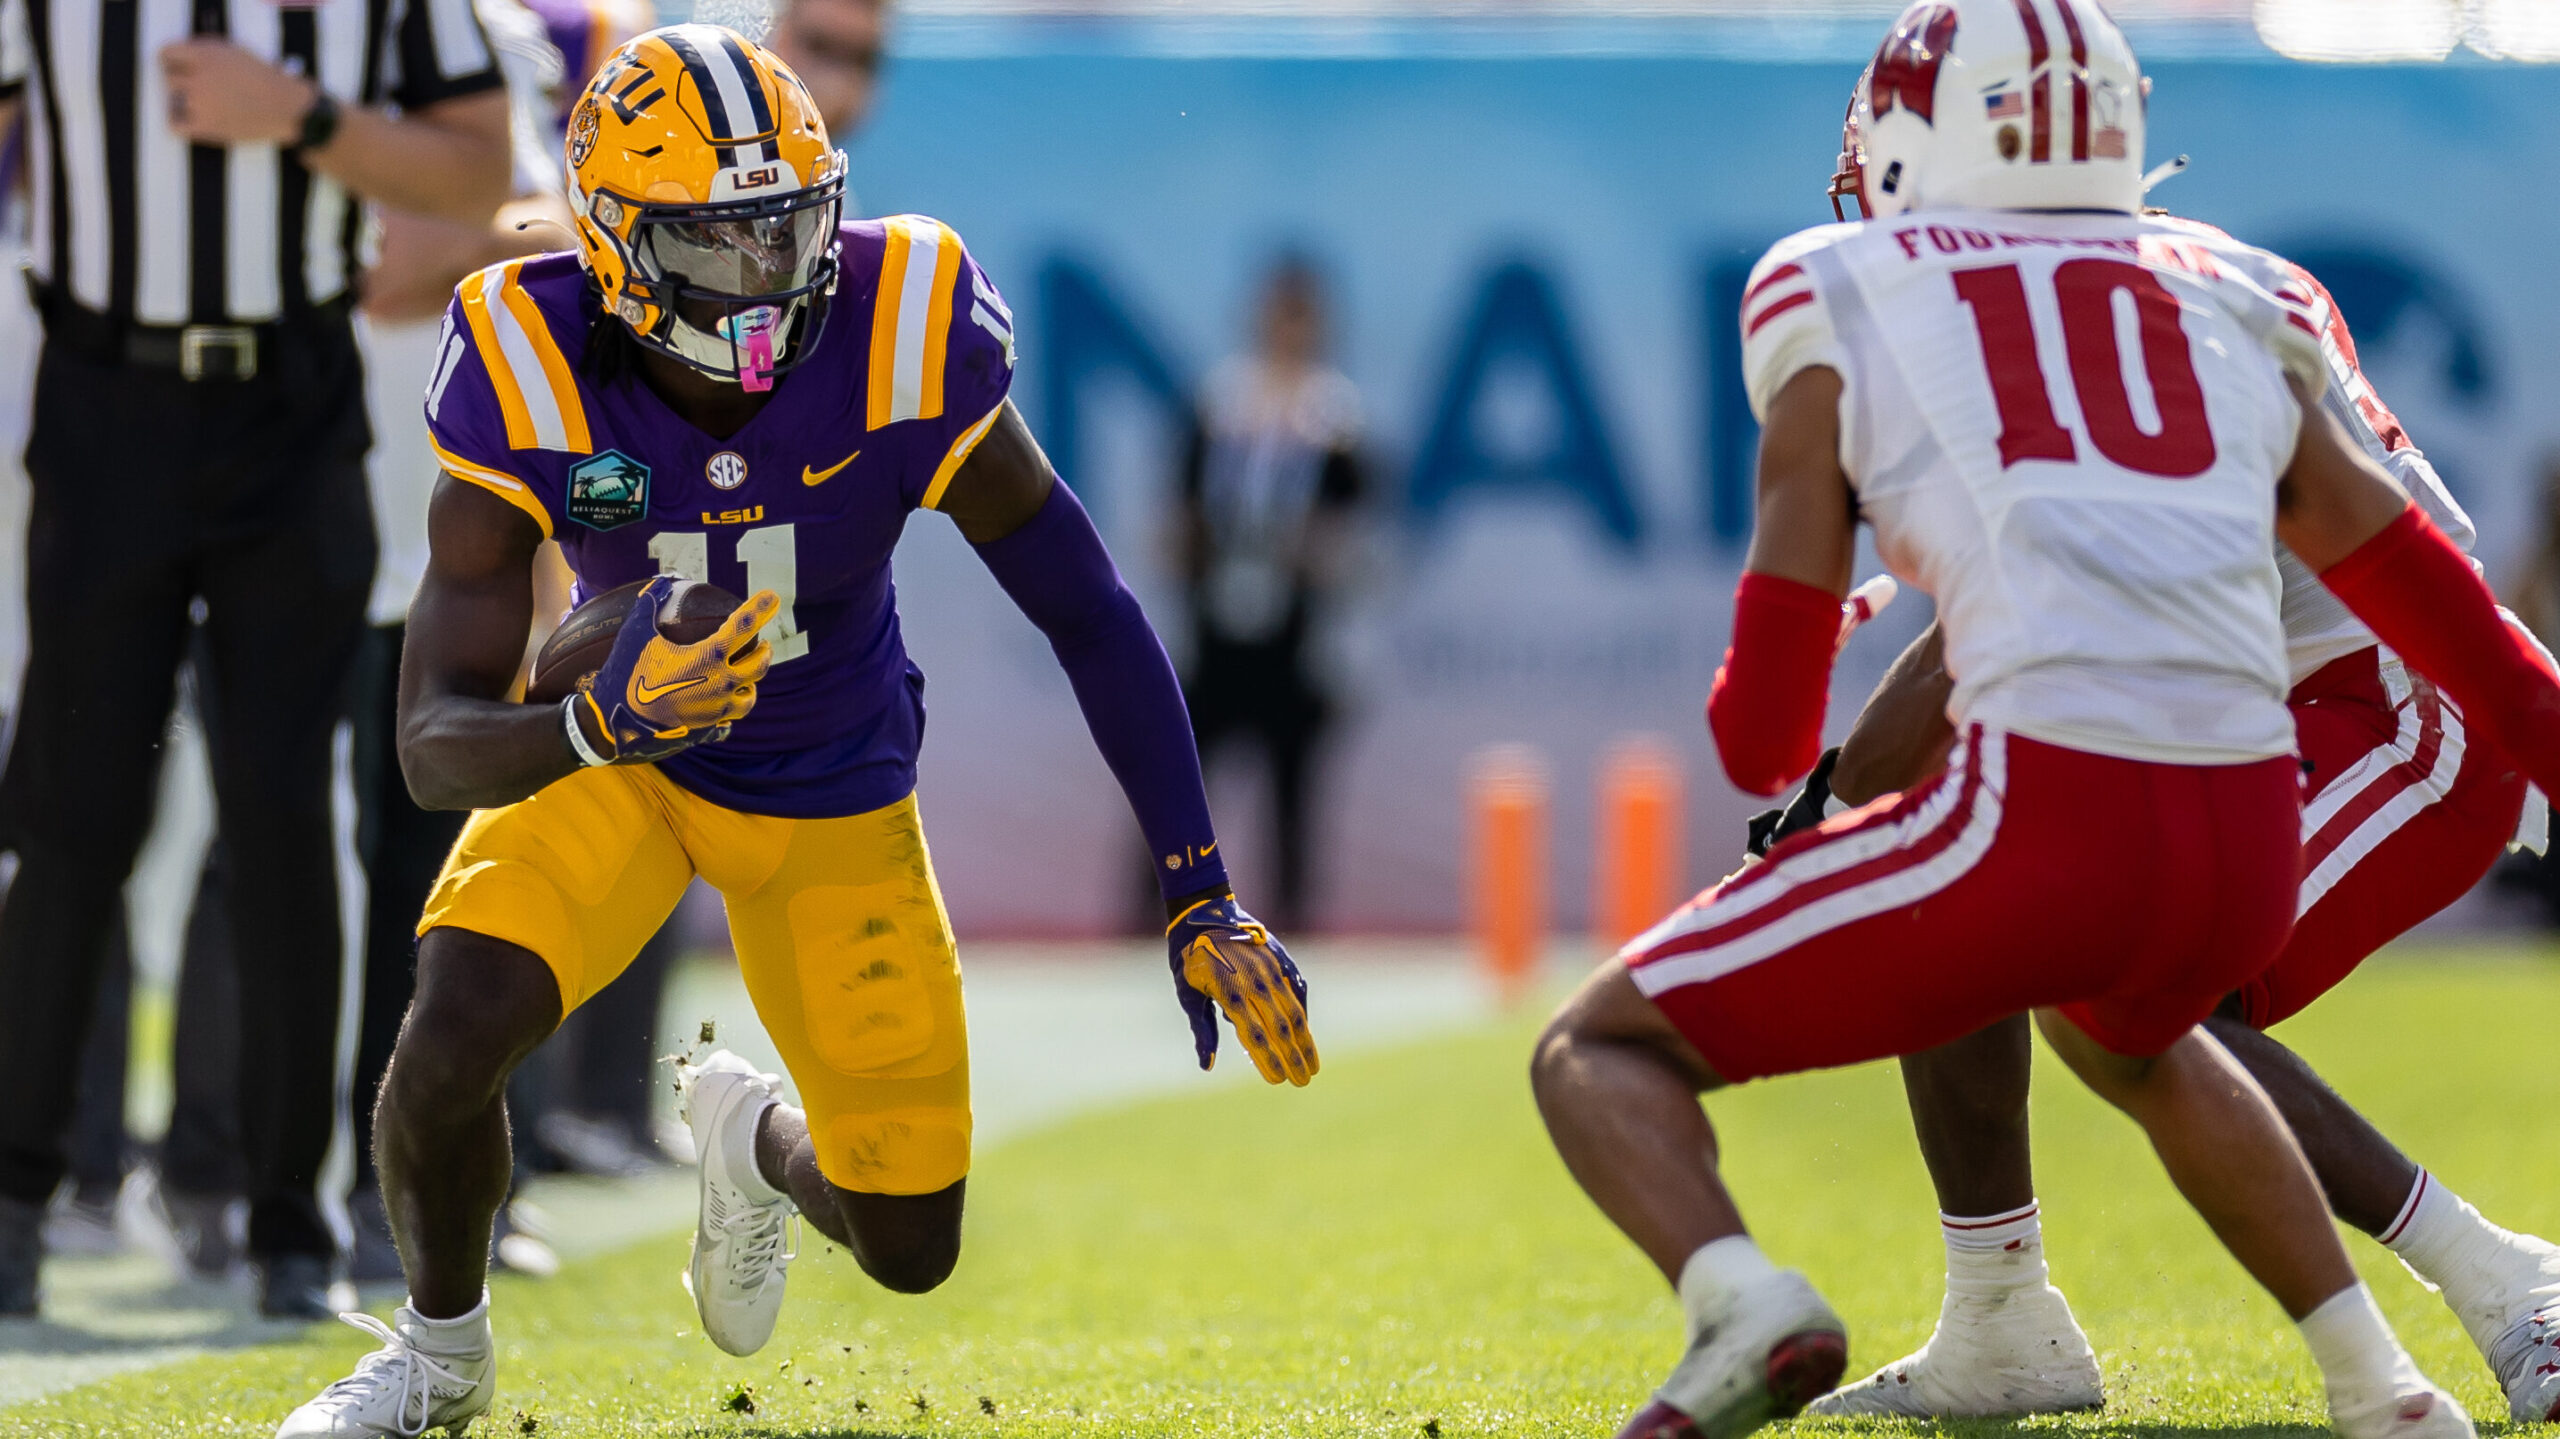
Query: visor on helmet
[749,257]
[737,282]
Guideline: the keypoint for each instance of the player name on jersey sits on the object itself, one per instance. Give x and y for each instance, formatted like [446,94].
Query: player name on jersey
[2062,426]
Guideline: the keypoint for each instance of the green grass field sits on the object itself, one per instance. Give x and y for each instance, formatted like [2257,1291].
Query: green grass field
[1396,1252]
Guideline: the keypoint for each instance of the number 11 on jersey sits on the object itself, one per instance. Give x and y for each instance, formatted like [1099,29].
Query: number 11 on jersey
[771,554]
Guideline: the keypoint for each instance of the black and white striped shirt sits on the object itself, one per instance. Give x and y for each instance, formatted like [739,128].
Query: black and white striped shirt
[135,222]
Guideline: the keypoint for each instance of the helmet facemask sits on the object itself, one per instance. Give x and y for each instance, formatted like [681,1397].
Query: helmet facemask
[738,287]
[707,197]
[1849,180]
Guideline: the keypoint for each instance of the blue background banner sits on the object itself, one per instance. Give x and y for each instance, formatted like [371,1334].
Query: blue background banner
[1535,265]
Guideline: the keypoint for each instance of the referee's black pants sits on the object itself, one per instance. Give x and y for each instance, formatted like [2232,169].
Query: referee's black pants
[150,494]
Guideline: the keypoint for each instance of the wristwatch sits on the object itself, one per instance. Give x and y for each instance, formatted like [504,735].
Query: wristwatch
[319,123]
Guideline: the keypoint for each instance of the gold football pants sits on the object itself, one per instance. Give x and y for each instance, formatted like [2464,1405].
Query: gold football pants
[839,929]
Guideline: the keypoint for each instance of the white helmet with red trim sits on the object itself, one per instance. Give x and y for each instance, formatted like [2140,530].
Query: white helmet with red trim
[1997,105]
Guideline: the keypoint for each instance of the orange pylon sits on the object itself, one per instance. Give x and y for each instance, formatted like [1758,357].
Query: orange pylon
[1639,859]
[1507,863]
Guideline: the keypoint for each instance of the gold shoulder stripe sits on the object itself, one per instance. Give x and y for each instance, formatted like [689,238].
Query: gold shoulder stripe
[959,455]
[569,411]
[475,290]
[911,321]
[884,324]
[505,486]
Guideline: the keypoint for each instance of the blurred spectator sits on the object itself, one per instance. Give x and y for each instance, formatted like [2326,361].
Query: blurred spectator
[547,51]
[198,438]
[1270,489]
[834,46]
[82,1220]
[586,1103]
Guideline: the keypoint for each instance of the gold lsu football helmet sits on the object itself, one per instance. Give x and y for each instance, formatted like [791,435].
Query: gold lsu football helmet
[706,197]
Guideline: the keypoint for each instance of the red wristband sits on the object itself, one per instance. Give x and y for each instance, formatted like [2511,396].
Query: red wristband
[1766,707]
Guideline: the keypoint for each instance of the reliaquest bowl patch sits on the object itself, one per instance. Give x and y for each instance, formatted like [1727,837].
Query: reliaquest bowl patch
[608,490]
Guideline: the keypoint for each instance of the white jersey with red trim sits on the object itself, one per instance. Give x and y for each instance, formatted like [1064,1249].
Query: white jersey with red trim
[2317,625]
[2067,428]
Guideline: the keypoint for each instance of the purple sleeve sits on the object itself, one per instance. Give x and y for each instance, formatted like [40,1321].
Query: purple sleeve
[1057,571]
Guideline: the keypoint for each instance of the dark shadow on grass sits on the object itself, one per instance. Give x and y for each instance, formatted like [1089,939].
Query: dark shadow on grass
[229,1322]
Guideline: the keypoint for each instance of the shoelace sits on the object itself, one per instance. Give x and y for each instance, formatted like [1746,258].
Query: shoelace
[2520,1348]
[757,1240]
[397,1366]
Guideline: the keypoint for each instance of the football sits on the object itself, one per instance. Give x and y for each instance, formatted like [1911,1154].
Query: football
[691,611]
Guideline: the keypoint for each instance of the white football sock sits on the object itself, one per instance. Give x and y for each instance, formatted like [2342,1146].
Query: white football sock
[744,1171]
[1994,1253]
[1717,1269]
[2480,1268]
[2360,1359]
[466,1333]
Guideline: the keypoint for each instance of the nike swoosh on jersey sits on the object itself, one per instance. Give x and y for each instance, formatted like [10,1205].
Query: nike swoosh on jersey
[640,689]
[819,477]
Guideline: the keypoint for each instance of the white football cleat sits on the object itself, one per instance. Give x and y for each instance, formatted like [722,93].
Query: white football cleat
[2526,1358]
[741,1244]
[1991,1356]
[416,1381]
[2418,1411]
[1773,1345]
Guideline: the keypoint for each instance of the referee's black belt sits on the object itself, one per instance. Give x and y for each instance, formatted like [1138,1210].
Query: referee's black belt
[195,352]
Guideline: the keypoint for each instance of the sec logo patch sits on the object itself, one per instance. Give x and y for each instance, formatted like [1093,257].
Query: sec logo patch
[726,470]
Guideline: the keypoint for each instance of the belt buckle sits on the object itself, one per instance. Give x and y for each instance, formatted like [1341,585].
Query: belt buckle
[235,345]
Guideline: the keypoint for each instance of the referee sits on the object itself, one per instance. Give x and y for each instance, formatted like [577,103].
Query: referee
[199,170]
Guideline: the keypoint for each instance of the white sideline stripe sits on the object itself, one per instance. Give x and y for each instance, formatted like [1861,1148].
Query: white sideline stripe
[2386,821]
[1865,901]
[533,382]
[915,311]
[1059,1031]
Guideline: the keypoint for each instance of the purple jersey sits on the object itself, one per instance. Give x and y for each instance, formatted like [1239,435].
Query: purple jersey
[907,371]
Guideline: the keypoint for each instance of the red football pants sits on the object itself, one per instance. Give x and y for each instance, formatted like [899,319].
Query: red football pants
[2132,895]
[2402,814]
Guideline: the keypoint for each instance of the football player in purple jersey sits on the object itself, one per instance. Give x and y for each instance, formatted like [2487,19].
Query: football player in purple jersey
[729,385]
